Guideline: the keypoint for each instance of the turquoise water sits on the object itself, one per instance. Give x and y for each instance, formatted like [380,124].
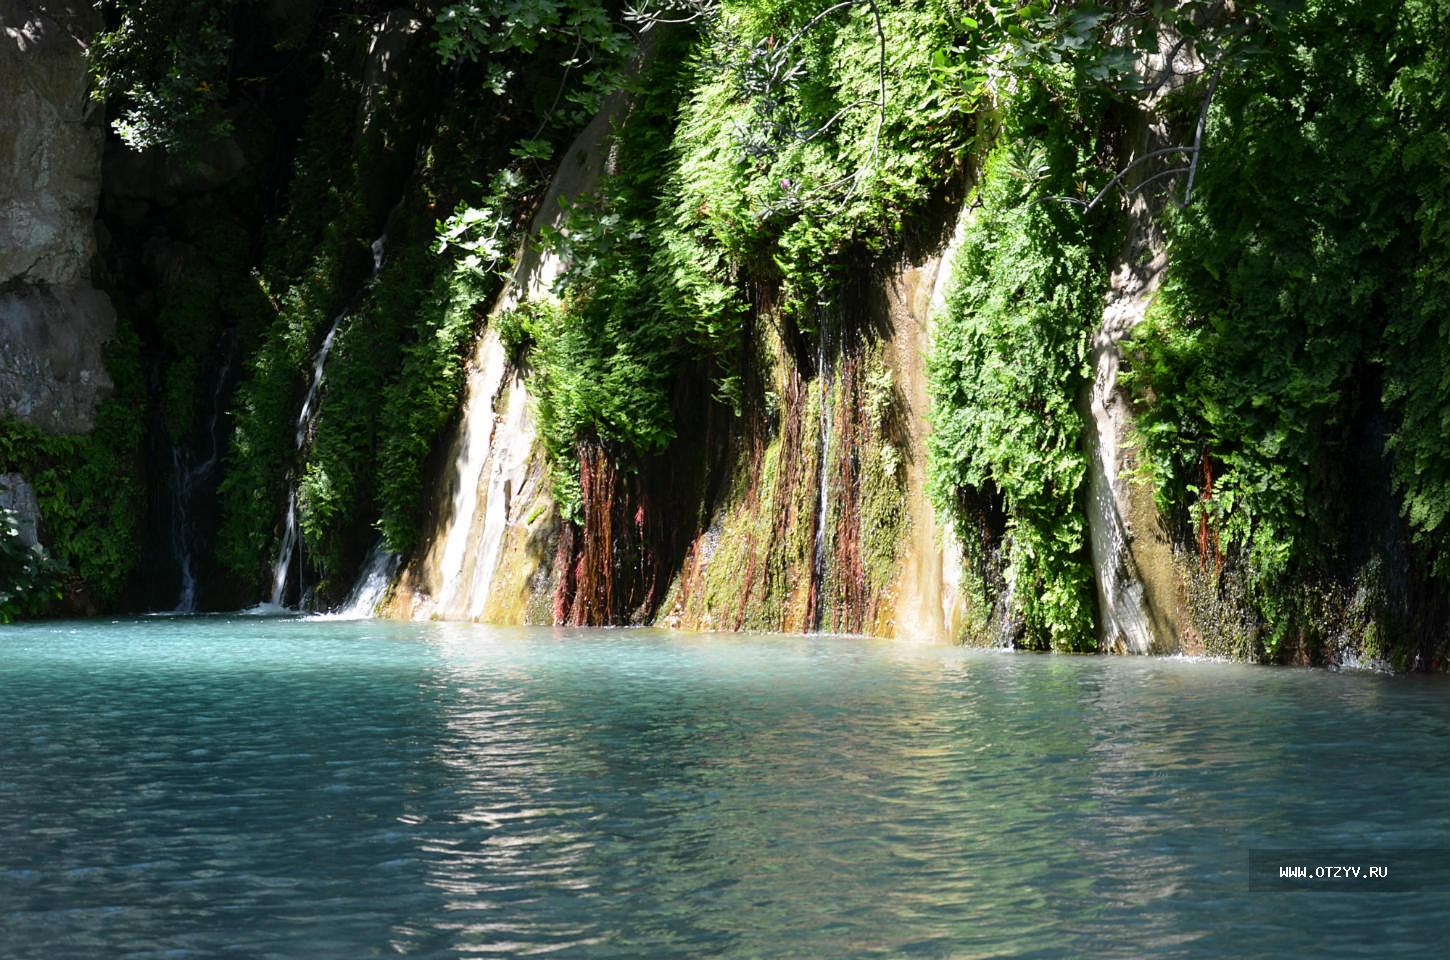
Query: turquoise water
[275,788]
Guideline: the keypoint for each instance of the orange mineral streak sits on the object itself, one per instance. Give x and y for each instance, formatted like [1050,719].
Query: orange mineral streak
[1208,533]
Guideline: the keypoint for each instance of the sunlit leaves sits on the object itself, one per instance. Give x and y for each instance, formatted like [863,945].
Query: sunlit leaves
[1311,273]
[164,69]
[1008,361]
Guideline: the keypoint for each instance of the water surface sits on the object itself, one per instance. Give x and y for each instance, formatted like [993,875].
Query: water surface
[279,788]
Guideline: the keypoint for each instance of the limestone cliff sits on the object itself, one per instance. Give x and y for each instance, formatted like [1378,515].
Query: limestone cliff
[53,322]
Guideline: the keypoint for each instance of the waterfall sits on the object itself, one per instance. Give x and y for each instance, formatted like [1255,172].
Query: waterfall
[930,604]
[818,560]
[372,582]
[305,417]
[1127,557]
[494,512]
[508,478]
[459,556]
[1006,622]
[1125,625]
[291,543]
[284,554]
[188,476]
[184,477]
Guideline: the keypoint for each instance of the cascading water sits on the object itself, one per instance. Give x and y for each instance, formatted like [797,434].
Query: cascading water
[372,583]
[818,560]
[1125,554]
[1007,623]
[497,490]
[188,477]
[185,475]
[291,543]
[284,553]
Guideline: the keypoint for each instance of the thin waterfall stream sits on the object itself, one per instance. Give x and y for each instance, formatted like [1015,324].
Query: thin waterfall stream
[371,585]
[188,477]
[291,545]
[818,560]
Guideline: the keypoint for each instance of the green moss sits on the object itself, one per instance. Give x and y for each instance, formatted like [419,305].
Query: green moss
[885,522]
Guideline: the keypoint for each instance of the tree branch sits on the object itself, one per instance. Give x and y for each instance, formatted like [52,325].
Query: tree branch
[1198,133]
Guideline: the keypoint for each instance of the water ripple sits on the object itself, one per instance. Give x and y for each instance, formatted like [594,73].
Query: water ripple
[274,788]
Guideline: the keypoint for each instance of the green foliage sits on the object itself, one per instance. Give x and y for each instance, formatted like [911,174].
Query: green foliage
[87,485]
[395,373]
[29,579]
[603,364]
[782,192]
[468,260]
[190,324]
[316,272]
[713,196]
[566,363]
[1312,266]
[418,405]
[164,65]
[1417,335]
[342,472]
[315,260]
[579,35]
[1009,359]
[479,236]
[1091,46]
[473,31]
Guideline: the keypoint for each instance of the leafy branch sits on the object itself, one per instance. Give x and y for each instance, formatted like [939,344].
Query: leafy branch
[1206,36]
[770,75]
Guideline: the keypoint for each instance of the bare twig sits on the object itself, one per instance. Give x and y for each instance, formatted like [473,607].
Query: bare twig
[647,19]
[563,83]
[1198,133]
[1157,176]
[1195,152]
[1089,204]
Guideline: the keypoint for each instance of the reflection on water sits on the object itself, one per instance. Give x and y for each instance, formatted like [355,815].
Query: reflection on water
[347,789]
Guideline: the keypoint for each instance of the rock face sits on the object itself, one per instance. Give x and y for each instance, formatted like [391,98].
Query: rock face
[53,323]
[50,143]
[51,370]
[1133,562]
[782,545]
[824,522]
[1139,584]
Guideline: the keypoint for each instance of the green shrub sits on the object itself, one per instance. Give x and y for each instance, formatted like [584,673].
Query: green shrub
[1310,268]
[29,579]
[87,485]
[1009,359]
